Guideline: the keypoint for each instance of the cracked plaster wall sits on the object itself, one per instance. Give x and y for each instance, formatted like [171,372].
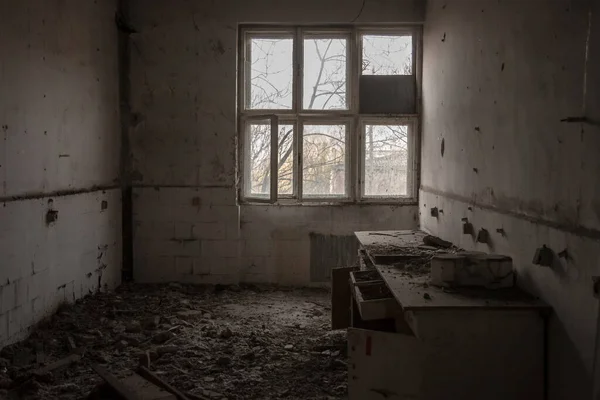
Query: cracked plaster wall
[498,78]
[60,202]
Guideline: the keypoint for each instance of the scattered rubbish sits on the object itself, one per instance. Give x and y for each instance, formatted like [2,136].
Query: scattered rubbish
[121,388]
[244,343]
[163,337]
[151,323]
[225,333]
[58,365]
[146,373]
[145,360]
[133,327]
[190,315]
[436,242]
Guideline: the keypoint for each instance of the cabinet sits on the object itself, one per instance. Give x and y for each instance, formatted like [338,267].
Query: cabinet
[425,342]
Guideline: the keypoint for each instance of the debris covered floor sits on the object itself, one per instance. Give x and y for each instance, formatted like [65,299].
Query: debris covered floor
[217,342]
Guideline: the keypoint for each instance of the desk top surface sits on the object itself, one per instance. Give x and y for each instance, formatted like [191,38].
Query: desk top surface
[410,284]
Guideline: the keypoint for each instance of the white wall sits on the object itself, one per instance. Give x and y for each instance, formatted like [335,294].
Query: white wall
[498,78]
[59,144]
[187,224]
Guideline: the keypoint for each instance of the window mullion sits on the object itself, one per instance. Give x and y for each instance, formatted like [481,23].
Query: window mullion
[353,87]
[355,163]
[247,82]
[413,154]
[274,158]
[350,160]
[300,139]
[357,68]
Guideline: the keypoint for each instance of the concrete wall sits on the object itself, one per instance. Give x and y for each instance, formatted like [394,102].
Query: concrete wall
[187,224]
[498,78]
[59,157]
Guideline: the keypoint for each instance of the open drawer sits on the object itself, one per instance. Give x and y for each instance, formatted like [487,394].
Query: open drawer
[375,301]
[363,277]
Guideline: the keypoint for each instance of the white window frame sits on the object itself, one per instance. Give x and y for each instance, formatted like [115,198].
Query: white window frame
[390,31]
[412,162]
[299,117]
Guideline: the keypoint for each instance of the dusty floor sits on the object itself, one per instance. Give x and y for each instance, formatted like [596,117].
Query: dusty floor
[221,343]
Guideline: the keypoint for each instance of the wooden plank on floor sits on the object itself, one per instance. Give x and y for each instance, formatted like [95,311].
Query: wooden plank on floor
[147,389]
[58,365]
[123,389]
[341,296]
[147,374]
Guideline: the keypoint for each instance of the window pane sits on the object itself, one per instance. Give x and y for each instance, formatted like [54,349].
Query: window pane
[325,74]
[260,159]
[324,161]
[259,135]
[386,160]
[271,73]
[387,55]
[286,160]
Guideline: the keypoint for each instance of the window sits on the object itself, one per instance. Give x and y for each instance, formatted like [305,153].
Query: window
[328,115]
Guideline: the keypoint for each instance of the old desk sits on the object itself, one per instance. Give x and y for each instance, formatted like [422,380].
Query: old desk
[448,344]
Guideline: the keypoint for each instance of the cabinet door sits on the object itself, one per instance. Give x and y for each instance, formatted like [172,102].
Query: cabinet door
[341,297]
[489,354]
[384,365]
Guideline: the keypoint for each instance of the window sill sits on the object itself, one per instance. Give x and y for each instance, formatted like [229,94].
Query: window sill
[340,203]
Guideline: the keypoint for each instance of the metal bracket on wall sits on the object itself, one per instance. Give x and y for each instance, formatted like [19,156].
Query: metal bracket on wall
[544,256]
[467,228]
[596,286]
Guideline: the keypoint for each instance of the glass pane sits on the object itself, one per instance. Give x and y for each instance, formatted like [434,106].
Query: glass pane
[271,74]
[259,180]
[386,160]
[324,161]
[260,159]
[286,160]
[387,55]
[325,74]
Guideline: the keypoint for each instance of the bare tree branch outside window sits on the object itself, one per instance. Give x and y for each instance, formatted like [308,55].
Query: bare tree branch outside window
[386,160]
[387,55]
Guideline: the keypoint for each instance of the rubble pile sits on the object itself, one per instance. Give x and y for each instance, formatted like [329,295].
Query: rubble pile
[216,342]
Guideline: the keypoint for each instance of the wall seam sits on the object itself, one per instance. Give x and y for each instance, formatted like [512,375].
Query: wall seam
[57,193]
[122,19]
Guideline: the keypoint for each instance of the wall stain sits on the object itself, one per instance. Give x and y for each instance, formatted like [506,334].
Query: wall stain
[218,169]
[51,214]
[217,47]
[136,176]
